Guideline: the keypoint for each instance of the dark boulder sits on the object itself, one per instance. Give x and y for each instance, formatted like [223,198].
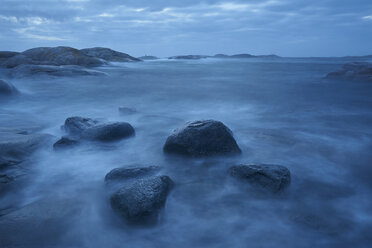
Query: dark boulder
[65,142]
[202,138]
[271,177]
[76,125]
[108,54]
[141,202]
[108,131]
[358,71]
[130,173]
[6,89]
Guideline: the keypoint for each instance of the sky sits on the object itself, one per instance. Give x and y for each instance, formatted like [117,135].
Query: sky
[294,28]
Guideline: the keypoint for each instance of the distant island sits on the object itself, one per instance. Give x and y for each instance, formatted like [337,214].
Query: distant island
[224,56]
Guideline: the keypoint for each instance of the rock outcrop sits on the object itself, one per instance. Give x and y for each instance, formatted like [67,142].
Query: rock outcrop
[141,202]
[108,54]
[358,71]
[202,138]
[271,177]
[53,56]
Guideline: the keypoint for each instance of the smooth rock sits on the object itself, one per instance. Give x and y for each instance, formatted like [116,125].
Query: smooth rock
[271,177]
[52,56]
[202,138]
[108,131]
[123,173]
[108,54]
[141,202]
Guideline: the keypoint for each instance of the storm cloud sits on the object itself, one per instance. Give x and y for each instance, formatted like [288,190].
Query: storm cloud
[165,27]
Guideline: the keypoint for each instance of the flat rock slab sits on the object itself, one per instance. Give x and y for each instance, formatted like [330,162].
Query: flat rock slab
[271,177]
[140,203]
[202,138]
[40,223]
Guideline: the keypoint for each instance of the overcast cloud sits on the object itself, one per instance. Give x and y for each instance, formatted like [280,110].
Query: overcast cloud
[171,27]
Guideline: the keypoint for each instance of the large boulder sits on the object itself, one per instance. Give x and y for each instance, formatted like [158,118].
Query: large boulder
[26,70]
[271,177]
[202,138]
[108,131]
[6,89]
[108,54]
[358,71]
[141,202]
[123,173]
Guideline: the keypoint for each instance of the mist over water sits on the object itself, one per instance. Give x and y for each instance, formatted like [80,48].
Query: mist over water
[281,111]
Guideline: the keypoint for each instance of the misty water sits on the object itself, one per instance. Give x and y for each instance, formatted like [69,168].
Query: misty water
[281,111]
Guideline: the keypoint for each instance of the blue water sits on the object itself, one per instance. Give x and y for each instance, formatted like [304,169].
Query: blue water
[281,111]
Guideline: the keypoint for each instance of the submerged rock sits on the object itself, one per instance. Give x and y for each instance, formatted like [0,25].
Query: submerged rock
[108,54]
[76,125]
[6,89]
[26,70]
[108,131]
[130,173]
[65,142]
[141,202]
[358,71]
[127,111]
[270,177]
[17,147]
[202,138]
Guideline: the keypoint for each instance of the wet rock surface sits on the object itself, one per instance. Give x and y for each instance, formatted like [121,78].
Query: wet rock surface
[140,203]
[271,177]
[75,125]
[202,138]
